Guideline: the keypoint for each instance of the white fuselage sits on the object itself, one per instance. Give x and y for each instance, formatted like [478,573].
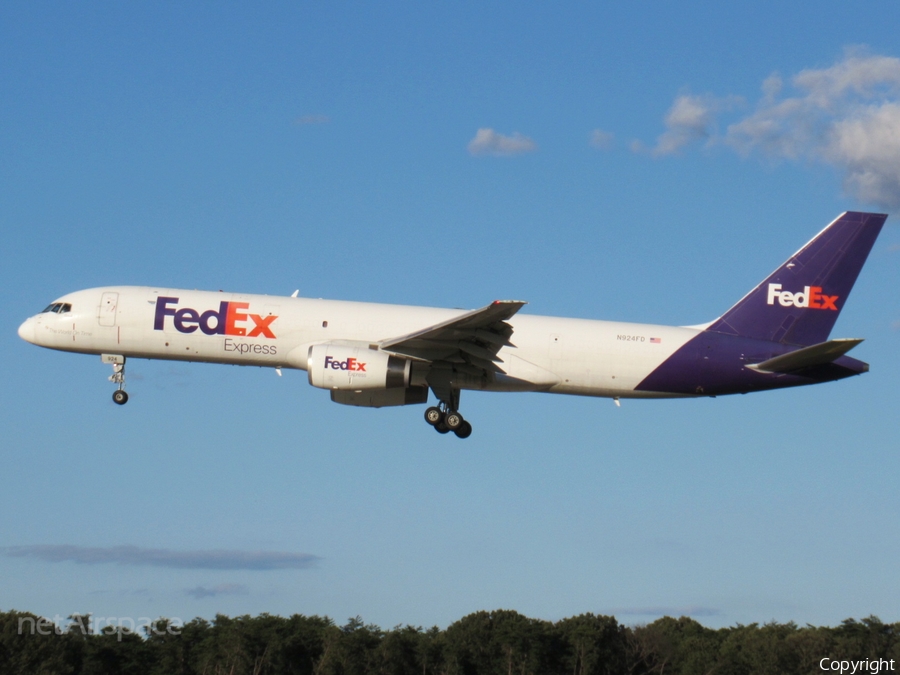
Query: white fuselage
[559,355]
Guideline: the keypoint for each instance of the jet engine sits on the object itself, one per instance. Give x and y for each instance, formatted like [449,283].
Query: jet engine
[345,367]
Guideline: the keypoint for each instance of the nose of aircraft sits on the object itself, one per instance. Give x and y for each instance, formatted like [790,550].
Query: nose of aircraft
[26,330]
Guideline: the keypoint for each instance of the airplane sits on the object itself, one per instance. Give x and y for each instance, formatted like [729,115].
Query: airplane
[377,355]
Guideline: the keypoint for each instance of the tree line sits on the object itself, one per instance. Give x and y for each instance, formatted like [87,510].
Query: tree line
[501,642]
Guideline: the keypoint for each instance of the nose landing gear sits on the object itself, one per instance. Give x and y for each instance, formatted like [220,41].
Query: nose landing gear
[445,420]
[120,396]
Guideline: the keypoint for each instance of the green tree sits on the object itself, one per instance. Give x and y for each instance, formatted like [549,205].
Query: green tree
[116,650]
[430,651]
[501,642]
[752,650]
[300,645]
[670,645]
[865,639]
[32,645]
[595,645]
[398,651]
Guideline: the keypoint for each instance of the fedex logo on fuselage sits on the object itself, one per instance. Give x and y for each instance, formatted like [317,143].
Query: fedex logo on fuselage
[347,364]
[227,320]
[810,297]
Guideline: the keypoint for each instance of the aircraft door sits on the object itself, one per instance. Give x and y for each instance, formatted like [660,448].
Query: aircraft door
[109,303]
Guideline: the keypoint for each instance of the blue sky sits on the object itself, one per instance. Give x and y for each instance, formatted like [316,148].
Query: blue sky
[644,162]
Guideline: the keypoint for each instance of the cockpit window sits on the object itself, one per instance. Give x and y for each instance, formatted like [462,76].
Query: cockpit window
[58,308]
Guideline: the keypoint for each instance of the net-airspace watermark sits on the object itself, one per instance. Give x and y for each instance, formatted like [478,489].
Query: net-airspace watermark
[92,625]
[871,666]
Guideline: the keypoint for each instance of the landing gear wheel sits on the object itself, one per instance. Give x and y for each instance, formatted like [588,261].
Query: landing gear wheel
[118,377]
[441,428]
[434,415]
[464,431]
[453,420]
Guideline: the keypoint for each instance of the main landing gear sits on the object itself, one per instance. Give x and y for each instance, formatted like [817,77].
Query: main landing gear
[120,396]
[445,420]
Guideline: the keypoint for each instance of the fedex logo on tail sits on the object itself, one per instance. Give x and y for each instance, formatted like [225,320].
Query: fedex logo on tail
[347,364]
[810,297]
[228,320]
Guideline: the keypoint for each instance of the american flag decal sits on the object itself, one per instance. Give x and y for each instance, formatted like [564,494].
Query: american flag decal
[655,341]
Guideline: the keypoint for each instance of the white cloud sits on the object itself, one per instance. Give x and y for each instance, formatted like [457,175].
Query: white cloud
[691,118]
[162,557]
[858,74]
[489,142]
[772,86]
[601,140]
[867,146]
[846,116]
[777,129]
[687,120]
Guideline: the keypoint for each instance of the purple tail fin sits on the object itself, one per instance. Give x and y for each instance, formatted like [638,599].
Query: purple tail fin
[800,301]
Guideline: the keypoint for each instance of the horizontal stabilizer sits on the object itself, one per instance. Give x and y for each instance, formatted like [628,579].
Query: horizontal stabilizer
[814,355]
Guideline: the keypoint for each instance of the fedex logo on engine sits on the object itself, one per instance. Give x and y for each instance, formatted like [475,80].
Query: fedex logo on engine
[227,320]
[347,364]
[810,297]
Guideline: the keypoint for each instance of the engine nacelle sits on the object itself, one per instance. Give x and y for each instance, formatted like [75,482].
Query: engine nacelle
[381,398]
[355,368]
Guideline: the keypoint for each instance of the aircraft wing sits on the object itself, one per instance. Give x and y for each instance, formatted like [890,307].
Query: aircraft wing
[470,341]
